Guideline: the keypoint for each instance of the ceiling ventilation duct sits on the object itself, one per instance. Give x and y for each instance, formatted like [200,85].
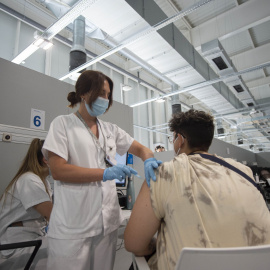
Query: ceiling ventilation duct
[220,131]
[240,140]
[217,57]
[77,54]
[220,128]
[176,105]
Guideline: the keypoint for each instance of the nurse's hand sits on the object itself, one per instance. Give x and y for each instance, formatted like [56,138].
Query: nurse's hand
[149,165]
[118,172]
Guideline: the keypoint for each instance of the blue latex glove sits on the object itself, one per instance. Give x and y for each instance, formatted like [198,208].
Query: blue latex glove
[118,172]
[149,165]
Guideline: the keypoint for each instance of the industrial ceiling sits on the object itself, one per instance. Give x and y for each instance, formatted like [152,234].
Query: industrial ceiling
[211,55]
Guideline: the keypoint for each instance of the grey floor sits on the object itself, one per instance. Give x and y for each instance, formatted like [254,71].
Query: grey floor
[123,258]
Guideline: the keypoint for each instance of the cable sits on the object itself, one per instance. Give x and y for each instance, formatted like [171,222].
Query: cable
[120,191]
[120,245]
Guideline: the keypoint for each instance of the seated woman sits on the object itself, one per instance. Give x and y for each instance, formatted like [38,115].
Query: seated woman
[197,200]
[25,209]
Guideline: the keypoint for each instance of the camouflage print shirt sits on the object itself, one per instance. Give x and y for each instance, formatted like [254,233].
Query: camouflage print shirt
[203,204]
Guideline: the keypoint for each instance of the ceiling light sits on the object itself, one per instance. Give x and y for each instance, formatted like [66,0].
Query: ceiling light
[25,54]
[46,44]
[252,111]
[126,87]
[75,76]
[160,100]
[55,28]
[38,42]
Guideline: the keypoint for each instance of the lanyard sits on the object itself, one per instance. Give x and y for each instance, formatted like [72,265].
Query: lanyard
[97,143]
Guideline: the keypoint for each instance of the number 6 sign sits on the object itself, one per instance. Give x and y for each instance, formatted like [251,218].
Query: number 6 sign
[37,120]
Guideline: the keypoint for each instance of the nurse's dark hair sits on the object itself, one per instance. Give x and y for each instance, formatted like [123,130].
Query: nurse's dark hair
[32,162]
[197,126]
[92,82]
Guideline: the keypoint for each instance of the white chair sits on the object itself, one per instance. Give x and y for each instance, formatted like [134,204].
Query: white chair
[139,263]
[241,258]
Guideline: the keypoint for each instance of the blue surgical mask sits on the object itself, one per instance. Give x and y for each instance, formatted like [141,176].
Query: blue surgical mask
[99,106]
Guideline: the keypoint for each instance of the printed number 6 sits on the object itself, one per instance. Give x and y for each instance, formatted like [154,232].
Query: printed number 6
[37,122]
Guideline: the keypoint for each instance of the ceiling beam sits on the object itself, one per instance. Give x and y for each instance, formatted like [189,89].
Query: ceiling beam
[253,57]
[175,9]
[258,82]
[234,21]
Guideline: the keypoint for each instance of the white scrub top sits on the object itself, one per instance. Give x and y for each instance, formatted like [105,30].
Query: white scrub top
[28,192]
[83,210]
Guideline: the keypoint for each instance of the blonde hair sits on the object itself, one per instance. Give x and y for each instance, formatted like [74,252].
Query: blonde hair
[32,162]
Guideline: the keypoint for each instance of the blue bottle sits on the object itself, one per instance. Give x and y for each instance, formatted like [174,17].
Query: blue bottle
[130,193]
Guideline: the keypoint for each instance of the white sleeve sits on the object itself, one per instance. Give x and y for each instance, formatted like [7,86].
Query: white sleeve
[123,140]
[56,140]
[31,190]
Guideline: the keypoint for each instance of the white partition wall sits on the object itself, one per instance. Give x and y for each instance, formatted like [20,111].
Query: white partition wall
[23,89]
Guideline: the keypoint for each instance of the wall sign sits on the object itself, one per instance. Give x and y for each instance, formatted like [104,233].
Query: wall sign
[37,120]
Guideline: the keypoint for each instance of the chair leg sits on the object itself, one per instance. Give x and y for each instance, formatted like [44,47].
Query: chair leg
[37,246]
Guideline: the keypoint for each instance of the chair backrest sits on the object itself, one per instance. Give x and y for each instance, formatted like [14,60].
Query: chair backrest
[241,258]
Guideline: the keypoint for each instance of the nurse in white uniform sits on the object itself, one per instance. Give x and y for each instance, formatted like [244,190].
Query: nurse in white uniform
[80,149]
[25,209]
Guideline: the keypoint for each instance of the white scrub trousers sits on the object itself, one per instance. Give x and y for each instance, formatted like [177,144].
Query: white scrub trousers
[93,253]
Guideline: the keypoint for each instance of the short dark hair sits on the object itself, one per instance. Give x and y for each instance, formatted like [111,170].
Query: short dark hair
[196,126]
[92,82]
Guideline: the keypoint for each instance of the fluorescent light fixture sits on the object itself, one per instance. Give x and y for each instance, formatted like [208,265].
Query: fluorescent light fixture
[25,54]
[75,76]
[55,28]
[38,42]
[126,87]
[46,44]
[252,111]
[160,100]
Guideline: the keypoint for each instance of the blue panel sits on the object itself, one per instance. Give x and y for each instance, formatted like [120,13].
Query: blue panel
[130,159]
